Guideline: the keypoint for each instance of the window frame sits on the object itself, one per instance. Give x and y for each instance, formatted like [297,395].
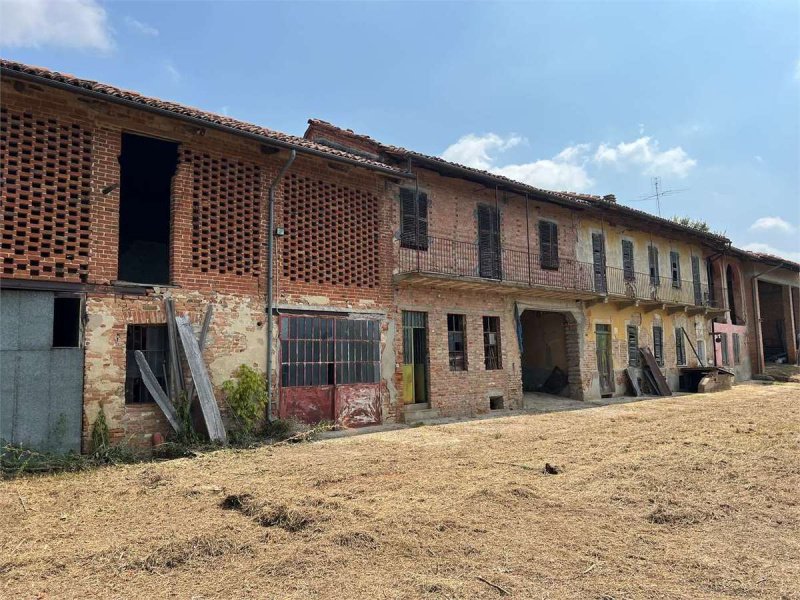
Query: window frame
[652,262]
[132,371]
[737,348]
[680,347]
[492,363]
[457,359]
[725,354]
[77,335]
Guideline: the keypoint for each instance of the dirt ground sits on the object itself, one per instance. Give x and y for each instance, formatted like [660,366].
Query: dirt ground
[689,497]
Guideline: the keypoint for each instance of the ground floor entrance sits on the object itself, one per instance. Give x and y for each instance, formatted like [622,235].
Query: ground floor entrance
[41,370]
[330,369]
[546,364]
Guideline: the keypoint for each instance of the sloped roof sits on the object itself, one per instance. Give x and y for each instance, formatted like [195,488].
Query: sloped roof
[45,76]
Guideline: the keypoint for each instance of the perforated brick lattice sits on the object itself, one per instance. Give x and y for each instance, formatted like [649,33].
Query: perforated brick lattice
[331,234]
[226,214]
[46,171]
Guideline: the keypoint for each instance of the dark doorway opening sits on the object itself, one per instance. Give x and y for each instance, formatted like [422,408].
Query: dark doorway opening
[544,352]
[147,166]
[774,333]
[66,321]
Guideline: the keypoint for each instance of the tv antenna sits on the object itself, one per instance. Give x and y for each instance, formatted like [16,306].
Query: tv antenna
[659,193]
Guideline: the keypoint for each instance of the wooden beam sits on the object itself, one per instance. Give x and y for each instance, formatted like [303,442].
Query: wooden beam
[202,342]
[152,385]
[216,429]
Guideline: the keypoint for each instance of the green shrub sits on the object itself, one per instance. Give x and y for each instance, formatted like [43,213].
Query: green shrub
[100,437]
[279,429]
[247,396]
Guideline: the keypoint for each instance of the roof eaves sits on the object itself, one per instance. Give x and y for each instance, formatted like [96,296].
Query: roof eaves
[113,94]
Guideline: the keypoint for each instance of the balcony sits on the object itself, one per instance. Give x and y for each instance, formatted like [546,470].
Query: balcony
[458,265]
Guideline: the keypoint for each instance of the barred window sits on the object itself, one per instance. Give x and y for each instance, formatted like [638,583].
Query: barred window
[151,340]
[491,343]
[457,342]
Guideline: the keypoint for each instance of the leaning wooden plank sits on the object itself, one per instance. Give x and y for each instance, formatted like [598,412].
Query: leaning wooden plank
[152,385]
[216,429]
[634,381]
[652,366]
[202,342]
[174,358]
[691,345]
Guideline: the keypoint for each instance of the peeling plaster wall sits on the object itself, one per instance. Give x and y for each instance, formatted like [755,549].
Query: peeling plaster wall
[236,336]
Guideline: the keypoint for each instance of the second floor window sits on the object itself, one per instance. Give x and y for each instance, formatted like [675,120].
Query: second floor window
[675,268]
[413,219]
[457,342]
[548,244]
[658,344]
[652,257]
[627,260]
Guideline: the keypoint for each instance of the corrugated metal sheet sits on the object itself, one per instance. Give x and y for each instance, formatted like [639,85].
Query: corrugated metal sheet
[41,388]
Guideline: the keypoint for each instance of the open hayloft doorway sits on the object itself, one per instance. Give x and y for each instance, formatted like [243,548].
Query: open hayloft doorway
[547,340]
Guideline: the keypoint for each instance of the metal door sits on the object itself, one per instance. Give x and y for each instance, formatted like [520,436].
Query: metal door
[41,386]
[605,364]
[599,262]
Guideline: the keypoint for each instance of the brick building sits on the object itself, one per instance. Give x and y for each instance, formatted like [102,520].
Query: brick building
[404,286]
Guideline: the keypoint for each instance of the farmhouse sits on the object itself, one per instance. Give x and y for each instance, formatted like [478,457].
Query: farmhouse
[400,287]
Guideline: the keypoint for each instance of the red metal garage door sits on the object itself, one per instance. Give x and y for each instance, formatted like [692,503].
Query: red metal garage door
[330,370]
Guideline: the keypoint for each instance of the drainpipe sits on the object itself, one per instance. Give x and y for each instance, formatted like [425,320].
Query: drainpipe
[270,275]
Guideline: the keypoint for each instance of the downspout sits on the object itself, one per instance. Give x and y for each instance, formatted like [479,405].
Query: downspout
[270,275]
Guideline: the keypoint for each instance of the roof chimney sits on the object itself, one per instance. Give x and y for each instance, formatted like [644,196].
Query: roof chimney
[610,198]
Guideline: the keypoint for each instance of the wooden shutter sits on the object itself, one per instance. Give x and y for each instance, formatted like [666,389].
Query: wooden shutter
[680,349]
[658,345]
[627,260]
[489,258]
[652,257]
[548,245]
[698,294]
[675,266]
[413,220]
[599,262]
[633,345]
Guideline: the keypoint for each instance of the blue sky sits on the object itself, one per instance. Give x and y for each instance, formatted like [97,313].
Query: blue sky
[590,96]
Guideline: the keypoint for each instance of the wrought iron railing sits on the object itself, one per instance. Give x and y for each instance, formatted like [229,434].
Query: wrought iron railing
[444,256]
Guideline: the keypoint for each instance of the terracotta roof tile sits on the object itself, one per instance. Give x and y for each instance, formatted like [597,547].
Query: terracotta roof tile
[11,67]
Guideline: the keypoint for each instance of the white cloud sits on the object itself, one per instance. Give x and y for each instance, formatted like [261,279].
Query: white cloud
[644,152]
[759,159]
[565,171]
[64,23]
[772,224]
[172,71]
[139,27]
[767,249]
[474,150]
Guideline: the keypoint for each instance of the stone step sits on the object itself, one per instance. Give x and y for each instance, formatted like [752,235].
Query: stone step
[419,413]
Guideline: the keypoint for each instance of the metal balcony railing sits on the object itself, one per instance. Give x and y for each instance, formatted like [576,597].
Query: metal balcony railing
[458,259]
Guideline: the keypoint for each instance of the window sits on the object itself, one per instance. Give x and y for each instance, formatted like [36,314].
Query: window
[680,348]
[633,345]
[457,342]
[675,268]
[627,260]
[413,219]
[724,347]
[491,343]
[322,351]
[152,341]
[652,258]
[146,169]
[66,322]
[658,344]
[701,352]
[548,244]
[737,350]
[490,258]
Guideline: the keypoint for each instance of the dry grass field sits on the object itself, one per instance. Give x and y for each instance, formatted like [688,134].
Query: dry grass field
[689,497]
